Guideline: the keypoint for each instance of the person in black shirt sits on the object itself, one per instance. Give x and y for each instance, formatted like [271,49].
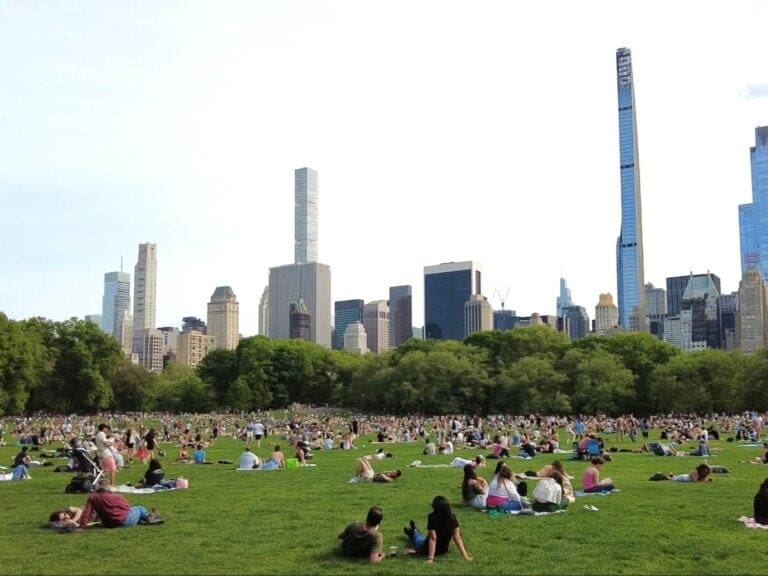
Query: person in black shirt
[760,504]
[442,527]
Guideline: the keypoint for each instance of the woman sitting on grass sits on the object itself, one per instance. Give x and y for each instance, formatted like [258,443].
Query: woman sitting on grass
[275,460]
[153,475]
[548,495]
[502,492]
[474,488]
[442,527]
[557,466]
[591,481]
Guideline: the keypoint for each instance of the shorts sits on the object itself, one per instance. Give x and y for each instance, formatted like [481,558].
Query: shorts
[257,436]
[107,463]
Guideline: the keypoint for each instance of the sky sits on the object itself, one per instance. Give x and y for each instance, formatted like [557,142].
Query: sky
[441,131]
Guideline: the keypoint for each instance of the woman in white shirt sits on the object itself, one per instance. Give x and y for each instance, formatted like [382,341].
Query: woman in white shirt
[548,495]
[502,492]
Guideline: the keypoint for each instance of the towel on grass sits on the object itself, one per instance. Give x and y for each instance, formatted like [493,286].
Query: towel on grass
[494,512]
[134,490]
[582,493]
[750,523]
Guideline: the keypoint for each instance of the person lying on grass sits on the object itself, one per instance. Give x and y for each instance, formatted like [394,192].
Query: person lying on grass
[442,527]
[364,471]
[699,474]
[113,510]
[363,540]
[66,517]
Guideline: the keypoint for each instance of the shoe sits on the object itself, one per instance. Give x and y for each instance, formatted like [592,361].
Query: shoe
[412,524]
[408,531]
[593,508]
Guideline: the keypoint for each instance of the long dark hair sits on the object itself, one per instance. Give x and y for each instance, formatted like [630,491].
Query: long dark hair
[764,487]
[466,489]
[442,509]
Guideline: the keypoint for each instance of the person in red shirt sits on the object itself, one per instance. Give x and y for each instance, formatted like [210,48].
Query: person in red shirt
[113,510]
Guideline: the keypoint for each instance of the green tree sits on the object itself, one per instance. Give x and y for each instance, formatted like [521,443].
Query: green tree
[219,369]
[132,387]
[601,384]
[24,363]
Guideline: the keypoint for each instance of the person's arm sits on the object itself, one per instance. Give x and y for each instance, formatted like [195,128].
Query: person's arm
[75,514]
[377,552]
[459,541]
[86,513]
[431,545]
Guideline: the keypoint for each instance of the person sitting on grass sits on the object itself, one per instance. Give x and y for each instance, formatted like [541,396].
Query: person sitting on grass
[548,494]
[474,488]
[442,527]
[760,504]
[761,459]
[502,492]
[18,473]
[249,460]
[275,460]
[113,510]
[363,540]
[153,475]
[591,481]
[199,455]
[557,466]
[183,455]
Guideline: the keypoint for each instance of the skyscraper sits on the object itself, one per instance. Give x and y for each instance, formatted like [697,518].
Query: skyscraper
[305,278]
[447,287]
[311,282]
[224,318]
[355,338]
[630,273]
[753,233]
[376,323]
[400,315]
[300,320]
[478,315]
[145,288]
[606,315]
[751,319]
[305,216]
[116,300]
[575,322]
[345,312]
[264,312]
[677,285]
[564,299]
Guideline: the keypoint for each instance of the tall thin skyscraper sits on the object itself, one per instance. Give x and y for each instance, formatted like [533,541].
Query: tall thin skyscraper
[753,233]
[116,301]
[224,318]
[564,299]
[630,273]
[145,288]
[305,216]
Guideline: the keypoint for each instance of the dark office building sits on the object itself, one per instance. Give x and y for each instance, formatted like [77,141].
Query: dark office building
[676,286]
[300,321]
[400,315]
[345,312]
[447,288]
[189,323]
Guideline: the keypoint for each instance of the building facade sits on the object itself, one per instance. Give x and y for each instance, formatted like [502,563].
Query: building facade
[400,314]
[189,323]
[300,321]
[305,215]
[355,338]
[224,318]
[447,287]
[630,272]
[606,315]
[116,300]
[145,288]
[148,346]
[752,317]
[264,312]
[376,323]
[345,312]
[564,298]
[753,232]
[312,283]
[478,315]
[575,322]
[192,347]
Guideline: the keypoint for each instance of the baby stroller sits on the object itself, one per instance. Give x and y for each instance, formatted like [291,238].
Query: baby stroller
[88,471]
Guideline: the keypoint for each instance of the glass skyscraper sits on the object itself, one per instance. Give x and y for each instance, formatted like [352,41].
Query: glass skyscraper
[305,216]
[629,246]
[400,315]
[345,312]
[447,288]
[753,218]
[116,301]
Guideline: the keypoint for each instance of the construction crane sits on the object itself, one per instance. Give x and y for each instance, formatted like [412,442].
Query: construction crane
[502,299]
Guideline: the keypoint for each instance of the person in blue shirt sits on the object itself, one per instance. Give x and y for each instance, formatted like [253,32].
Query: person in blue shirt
[199,455]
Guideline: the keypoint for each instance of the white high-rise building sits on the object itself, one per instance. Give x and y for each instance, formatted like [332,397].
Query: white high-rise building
[224,318]
[116,300]
[478,315]
[148,346]
[606,315]
[305,216]
[376,323]
[145,288]
[355,338]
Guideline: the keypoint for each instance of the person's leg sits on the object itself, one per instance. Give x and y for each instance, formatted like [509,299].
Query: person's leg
[136,513]
[19,472]
[511,505]
[418,539]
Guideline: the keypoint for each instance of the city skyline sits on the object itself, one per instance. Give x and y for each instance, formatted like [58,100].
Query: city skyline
[454,144]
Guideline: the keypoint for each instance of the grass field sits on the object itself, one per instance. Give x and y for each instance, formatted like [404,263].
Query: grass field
[287,521]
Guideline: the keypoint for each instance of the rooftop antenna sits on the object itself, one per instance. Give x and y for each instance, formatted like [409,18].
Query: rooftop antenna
[121,262]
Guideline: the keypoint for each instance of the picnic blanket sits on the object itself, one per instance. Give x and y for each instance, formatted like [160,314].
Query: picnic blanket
[750,523]
[579,493]
[418,464]
[494,512]
[134,490]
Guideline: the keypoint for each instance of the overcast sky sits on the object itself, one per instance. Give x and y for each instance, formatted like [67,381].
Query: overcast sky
[441,131]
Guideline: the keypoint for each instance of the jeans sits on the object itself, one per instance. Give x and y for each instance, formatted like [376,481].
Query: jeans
[19,472]
[601,488]
[136,514]
[418,540]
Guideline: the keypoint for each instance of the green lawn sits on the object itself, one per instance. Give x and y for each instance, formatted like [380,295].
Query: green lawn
[286,522]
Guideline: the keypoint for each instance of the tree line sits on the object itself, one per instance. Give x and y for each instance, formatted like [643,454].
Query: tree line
[73,367]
